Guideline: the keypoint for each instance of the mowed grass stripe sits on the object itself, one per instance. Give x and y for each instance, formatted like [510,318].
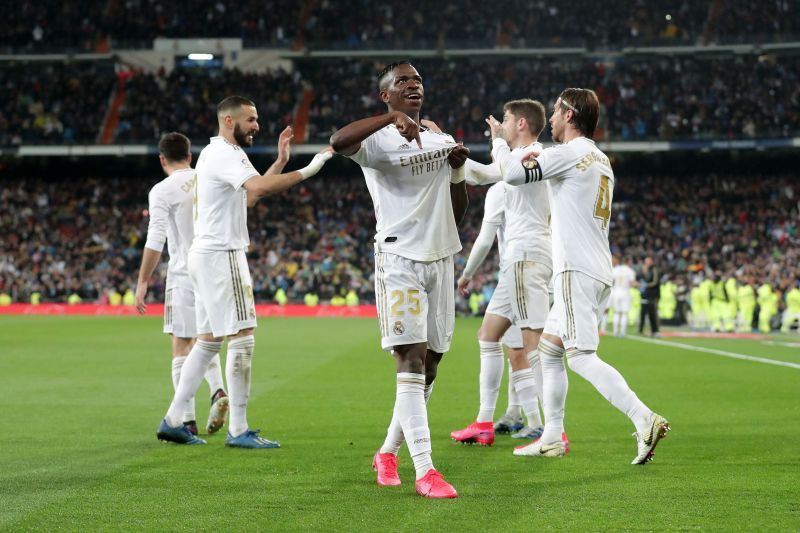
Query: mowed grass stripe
[325,390]
[714,351]
[97,389]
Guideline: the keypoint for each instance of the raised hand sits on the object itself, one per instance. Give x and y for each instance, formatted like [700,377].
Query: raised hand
[495,127]
[284,144]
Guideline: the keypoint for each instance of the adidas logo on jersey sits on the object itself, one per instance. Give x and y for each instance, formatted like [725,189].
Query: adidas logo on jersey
[404,146]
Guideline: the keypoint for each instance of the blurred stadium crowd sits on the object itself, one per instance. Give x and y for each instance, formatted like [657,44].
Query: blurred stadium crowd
[84,239]
[72,26]
[665,98]
[711,235]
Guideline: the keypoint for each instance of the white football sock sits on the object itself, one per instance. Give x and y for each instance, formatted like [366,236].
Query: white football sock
[214,375]
[177,365]
[623,324]
[554,393]
[412,413]
[237,370]
[525,384]
[611,385]
[536,366]
[191,374]
[514,408]
[490,378]
[394,435]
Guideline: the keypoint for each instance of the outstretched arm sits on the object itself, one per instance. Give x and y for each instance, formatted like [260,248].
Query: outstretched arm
[260,186]
[480,174]
[347,140]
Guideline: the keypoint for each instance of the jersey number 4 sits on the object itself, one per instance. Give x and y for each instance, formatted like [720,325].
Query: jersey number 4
[602,207]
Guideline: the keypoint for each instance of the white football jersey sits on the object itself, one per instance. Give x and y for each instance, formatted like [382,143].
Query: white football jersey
[494,214]
[581,191]
[410,188]
[623,276]
[220,221]
[528,219]
[171,220]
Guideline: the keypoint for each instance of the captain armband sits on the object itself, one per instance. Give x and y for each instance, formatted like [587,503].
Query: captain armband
[533,172]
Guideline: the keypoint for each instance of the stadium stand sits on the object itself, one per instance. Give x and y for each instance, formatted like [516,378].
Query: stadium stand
[316,238]
[54,102]
[670,98]
[185,100]
[70,26]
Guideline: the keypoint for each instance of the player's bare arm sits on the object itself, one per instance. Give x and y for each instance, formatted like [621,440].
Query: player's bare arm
[480,249]
[150,259]
[260,186]
[347,140]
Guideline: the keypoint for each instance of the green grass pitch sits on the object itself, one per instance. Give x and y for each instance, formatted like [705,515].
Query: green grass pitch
[81,398]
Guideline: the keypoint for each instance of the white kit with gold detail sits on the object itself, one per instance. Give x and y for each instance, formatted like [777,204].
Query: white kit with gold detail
[217,263]
[171,211]
[581,192]
[416,235]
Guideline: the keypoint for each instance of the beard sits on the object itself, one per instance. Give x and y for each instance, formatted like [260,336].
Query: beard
[241,136]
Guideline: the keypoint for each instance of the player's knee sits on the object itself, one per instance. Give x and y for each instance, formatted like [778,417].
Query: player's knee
[549,349]
[486,334]
[579,360]
[244,345]
[181,346]
[518,359]
[208,337]
[411,358]
[432,360]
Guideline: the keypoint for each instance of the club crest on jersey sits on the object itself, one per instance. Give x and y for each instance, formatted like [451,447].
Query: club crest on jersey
[398,328]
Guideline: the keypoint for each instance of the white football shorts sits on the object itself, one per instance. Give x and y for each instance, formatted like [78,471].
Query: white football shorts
[620,300]
[521,295]
[179,312]
[223,292]
[513,338]
[578,305]
[415,300]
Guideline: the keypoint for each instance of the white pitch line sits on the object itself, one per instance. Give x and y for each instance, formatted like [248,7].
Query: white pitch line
[723,353]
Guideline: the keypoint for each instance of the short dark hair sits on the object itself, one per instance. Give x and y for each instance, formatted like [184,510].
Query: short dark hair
[532,111]
[585,109]
[232,103]
[175,147]
[388,70]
